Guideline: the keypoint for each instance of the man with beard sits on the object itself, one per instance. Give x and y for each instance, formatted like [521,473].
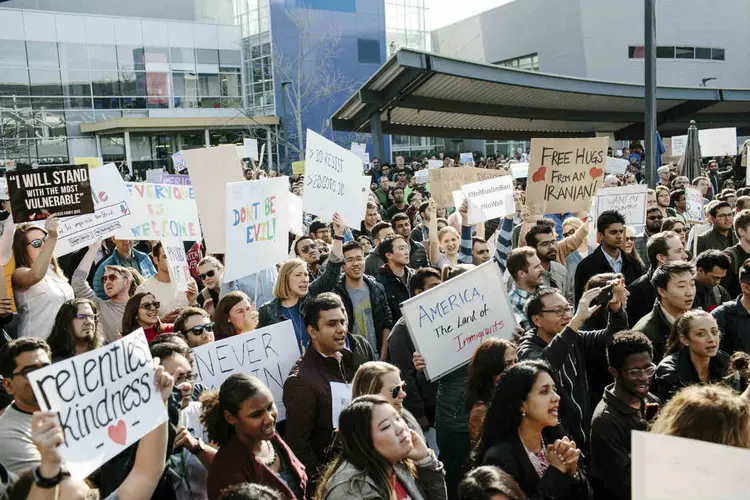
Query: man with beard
[365,301]
[480,251]
[721,236]
[627,406]
[527,272]
[307,249]
[541,238]
[399,205]
[320,231]
[654,218]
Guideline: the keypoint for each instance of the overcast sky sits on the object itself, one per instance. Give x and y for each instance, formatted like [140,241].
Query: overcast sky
[444,12]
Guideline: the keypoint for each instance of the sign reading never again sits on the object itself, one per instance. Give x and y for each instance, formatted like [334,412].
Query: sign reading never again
[448,322]
[564,174]
[61,190]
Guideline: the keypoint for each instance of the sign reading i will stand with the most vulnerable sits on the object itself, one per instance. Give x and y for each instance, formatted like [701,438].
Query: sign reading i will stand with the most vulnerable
[62,190]
[106,401]
[332,180]
[448,322]
[564,174]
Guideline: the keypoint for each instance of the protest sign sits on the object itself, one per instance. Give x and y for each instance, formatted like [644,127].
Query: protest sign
[630,201]
[616,166]
[679,143]
[114,211]
[489,199]
[676,468]
[449,321]
[296,214]
[3,188]
[210,170]
[178,161]
[194,255]
[155,176]
[564,174]
[250,148]
[298,167]
[105,398]
[519,170]
[341,396]
[332,180]
[268,353]
[443,181]
[257,226]
[8,269]
[422,176]
[365,180]
[62,190]
[176,179]
[434,163]
[92,161]
[718,141]
[467,159]
[694,207]
[169,211]
[179,271]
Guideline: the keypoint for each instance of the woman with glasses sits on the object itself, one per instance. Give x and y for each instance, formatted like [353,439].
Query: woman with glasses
[38,282]
[211,274]
[142,311]
[76,330]
[677,225]
[241,418]
[490,359]
[693,355]
[628,246]
[235,314]
[196,326]
[384,379]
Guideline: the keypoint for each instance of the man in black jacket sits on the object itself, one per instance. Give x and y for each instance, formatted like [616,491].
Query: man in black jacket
[721,236]
[711,267]
[608,257]
[395,274]
[625,407]
[365,301]
[739,253]
[733,317]
[557,338]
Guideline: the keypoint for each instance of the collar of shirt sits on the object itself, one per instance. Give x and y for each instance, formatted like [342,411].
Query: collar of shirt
[615,264]
[669,317]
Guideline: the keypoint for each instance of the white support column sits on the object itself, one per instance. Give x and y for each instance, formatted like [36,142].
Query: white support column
[268,149]
[98,140]
[128,154]
[207,138]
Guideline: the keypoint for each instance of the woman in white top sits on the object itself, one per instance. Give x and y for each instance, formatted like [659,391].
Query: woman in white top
[39,285]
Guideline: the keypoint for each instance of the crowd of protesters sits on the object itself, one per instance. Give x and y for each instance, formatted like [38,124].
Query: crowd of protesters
[648,329]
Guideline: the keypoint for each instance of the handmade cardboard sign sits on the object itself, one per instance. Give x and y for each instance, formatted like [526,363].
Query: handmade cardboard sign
[564,174]
[268,353]
[176,179]
[194,255]
[489,199]
[179,271]
[665,468]
[179,162]
[467,159]
[630,201]
[332,180]
[694,208]
[444,181]
[62,190]
[448,322]
[170,211]
[257,220]
[679,144]
[105,398]
[114,211]
[298,167]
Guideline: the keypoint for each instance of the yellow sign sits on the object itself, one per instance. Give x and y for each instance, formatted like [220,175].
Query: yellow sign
[8,292]
[91,161]
[298,167]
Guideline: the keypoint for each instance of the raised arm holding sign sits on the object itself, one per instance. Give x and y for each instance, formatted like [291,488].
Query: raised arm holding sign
[62,190]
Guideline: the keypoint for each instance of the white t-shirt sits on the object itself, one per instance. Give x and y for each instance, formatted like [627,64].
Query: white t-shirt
[166,293]
[17,452]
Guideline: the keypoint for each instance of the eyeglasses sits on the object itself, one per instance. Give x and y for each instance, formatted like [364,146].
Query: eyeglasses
[151,305]
[209,274]
[679,230]
[656,217]
[198,329]
[109,277]
[90,317]
[308,248]
[323,250]
[569,233]
[723,216]
[187,377]
[560,311]
[637,372]
[29,369]
[630,238]
[397,390]
[37,242]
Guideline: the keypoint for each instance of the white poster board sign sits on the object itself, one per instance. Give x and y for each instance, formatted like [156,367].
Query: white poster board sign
[679,144]
[106,400]
[694,206]
[630,201]
[422,176]
[154,176]
[296,214]
[257,226]
[250,148]
[179,271]
[676,468]
[718,141]
[341,396]
[616,166]
[489,199]
[268,353]
[165,211]
[467,159]
[365,180]
[448,322]
[113,211]
[519,170]
[434,163]
[332,180]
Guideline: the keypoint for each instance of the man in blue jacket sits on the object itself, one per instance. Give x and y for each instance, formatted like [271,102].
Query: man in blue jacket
[126,256]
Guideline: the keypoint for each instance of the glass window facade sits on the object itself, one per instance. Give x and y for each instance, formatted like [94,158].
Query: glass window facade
[528,62]
[672,52]
[407,25]
[253,16]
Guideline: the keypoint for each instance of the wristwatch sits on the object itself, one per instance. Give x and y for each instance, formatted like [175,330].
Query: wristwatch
[337,237]
[198,447]
[48,483]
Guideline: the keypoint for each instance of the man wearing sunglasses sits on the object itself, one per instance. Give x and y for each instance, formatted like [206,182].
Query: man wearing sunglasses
[654,219]
[126,256]
[307,249]
[161,287]
[17,359]
[196,326]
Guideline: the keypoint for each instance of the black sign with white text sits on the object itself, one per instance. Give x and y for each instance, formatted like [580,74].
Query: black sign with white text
[62,190]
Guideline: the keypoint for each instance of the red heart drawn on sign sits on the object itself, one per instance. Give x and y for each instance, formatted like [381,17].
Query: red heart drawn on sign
[596,172]
[539,174]
[118,432]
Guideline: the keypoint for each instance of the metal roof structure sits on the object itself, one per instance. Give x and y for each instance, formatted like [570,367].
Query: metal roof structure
[424,94]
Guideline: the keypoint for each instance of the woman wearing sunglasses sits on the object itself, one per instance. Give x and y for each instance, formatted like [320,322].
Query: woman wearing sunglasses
[196,326]
[142,311]
[38,282]
[384,379]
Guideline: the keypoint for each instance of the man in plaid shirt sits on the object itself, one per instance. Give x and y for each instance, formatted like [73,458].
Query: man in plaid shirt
[527,272]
